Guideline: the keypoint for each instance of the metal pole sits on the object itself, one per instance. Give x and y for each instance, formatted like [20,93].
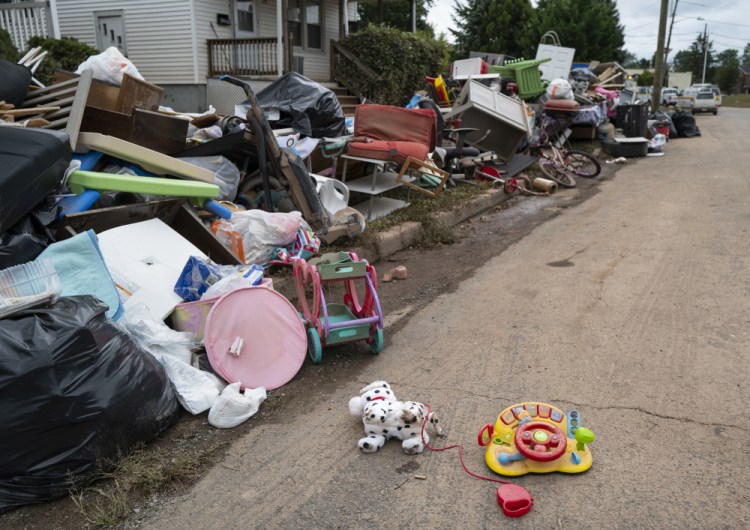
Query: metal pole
[705,52]
[280,15]
[656,96]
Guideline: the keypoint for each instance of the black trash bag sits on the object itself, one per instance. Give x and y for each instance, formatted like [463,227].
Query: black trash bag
[685,124]
[75,390]
[14,82]
[664,117]
[26,239]
[306,106]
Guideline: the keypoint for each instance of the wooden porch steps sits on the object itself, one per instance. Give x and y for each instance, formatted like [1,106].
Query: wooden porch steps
[347,100]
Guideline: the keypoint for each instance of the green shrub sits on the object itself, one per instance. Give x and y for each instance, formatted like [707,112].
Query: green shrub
[402,60]
[7,50]
[63,54]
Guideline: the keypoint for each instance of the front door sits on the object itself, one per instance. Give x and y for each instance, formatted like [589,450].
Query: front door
[110,32]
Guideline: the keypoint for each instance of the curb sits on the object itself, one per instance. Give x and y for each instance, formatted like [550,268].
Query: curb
[404,235]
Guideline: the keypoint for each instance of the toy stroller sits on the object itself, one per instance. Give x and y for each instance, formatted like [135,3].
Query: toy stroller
[334,323]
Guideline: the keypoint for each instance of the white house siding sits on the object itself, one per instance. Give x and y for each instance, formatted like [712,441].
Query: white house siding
[159,34]
[205,17]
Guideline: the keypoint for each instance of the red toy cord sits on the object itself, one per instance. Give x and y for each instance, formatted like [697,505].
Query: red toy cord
[460,453]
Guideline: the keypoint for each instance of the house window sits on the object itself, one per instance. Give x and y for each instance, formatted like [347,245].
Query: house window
[245,20]
[305,19]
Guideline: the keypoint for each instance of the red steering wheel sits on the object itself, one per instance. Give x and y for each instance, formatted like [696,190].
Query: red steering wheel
[540,441]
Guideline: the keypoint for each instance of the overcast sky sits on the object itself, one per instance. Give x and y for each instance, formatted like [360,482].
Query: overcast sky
[728,23]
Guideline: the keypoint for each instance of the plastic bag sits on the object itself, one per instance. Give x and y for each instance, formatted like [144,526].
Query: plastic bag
[200,274]
[685,124]
[196,391]
[254,235]
[75,391]
[226,174]
[155,337]
[234,407]
[26,239]
[15,83]
[110,66]
[560,89]
[308,107]
[248,278]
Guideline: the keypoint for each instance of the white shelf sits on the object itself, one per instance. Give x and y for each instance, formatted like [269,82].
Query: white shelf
[376,207]
[376,184]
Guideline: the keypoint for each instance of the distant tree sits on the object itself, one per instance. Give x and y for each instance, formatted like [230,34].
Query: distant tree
[592,27]
[396,14]
[646,78]
[726,72]
[691,60]
[629,60]
[746,54]
[494,26]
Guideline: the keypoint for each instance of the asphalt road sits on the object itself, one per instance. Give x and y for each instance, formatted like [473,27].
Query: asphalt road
[632,307]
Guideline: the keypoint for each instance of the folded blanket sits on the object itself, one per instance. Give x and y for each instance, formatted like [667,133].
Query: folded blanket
[81,269]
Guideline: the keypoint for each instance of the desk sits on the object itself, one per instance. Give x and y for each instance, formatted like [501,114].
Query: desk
[379,181]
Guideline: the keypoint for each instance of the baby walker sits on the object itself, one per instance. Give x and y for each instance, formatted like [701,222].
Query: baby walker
[335,323]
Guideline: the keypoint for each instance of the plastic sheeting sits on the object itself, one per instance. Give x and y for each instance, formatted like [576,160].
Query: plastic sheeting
[304,105]
[74,390]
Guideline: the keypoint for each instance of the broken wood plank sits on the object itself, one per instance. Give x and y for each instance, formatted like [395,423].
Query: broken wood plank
[29,112]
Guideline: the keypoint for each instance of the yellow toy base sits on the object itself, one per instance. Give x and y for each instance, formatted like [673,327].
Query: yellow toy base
[526,434]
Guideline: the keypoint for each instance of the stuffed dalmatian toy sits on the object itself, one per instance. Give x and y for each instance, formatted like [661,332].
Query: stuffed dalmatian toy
[385,417]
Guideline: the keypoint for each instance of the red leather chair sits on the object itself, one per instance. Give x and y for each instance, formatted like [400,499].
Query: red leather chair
[392,134]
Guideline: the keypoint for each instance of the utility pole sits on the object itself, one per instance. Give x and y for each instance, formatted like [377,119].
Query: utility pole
[659,74]
[669,40]
[705,51]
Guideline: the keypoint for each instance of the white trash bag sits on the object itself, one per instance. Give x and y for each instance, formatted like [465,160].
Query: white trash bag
[261,232]
[234,407]
[110,66]
[560,89]
[195,389]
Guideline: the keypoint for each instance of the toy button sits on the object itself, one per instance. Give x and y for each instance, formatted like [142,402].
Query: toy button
[532,409]
[517,411]
[556,415]
[540,436]
[574,458]
[508,418]
[543,411]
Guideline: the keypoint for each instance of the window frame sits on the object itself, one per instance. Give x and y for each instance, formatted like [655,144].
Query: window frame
[304,45]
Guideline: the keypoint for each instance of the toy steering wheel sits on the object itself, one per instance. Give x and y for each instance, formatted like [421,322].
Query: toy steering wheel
[540,441]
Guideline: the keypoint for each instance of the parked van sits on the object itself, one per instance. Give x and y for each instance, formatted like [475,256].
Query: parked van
[668,96]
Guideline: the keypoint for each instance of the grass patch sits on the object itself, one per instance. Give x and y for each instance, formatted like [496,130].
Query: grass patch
[102,507]
[739,100]
[144,471]
[422,209]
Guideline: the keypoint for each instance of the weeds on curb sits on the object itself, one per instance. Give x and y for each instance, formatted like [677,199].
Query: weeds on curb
[144,471]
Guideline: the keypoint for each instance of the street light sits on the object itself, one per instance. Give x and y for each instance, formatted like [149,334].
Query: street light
[705,50]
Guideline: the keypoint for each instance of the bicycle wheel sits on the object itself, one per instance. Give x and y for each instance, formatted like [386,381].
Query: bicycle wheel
[554,173]
[582,164]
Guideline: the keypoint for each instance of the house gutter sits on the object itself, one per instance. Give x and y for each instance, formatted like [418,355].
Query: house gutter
[53,19]
[194,36]
[279,38]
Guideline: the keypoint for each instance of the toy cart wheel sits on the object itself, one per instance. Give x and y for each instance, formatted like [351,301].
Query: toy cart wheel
[314,349]
[376,341]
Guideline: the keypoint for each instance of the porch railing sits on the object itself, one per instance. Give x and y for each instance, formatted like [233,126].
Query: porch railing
[23,20]
[244,57]
[351,72]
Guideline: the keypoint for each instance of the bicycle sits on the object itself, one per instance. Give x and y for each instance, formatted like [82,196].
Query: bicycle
[563,164]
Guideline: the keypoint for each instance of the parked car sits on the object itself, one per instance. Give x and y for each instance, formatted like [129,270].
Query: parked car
[717,95]
[705,101]
[668,96]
